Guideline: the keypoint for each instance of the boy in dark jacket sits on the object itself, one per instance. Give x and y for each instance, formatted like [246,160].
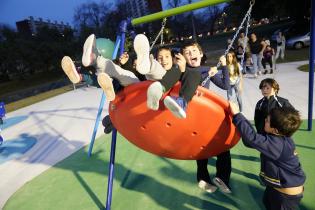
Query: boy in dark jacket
[280,167]
[269,89]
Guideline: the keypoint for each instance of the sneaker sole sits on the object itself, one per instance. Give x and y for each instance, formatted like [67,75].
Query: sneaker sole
[174,107]
[87,50]
[153,96]
[142,48]
[107,86]
[68,67]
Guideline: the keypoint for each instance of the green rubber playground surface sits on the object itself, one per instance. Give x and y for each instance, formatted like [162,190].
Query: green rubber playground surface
[145,182]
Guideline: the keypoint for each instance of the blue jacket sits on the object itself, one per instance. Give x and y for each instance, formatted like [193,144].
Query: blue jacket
[280,166]
[220,80]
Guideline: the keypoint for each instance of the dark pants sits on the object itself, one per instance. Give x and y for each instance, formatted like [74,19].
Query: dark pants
[223,167]
[264,61]
[190,80]
[274,200]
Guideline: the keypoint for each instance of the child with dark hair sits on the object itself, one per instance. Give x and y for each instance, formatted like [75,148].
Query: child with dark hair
[190,73]
[175,71]
[281,170]
[269,89]
[267,58]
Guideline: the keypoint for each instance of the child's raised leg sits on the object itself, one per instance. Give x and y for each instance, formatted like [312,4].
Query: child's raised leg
[142,48]
[146,64]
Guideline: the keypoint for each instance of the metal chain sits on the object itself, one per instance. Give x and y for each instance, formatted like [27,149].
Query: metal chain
[245,42]
[248,14]
[159,34]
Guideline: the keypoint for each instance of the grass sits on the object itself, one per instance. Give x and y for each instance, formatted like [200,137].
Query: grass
[304,68]
[30,81]
[292,55]
[144,181]
[37,98]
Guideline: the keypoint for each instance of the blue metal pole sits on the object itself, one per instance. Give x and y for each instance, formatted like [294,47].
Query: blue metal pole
[111,168]
[100,108]
[122,31]
[311,69]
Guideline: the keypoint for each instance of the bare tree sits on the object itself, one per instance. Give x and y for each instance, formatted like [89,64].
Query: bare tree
[214,13]
[91,15]
[193,22]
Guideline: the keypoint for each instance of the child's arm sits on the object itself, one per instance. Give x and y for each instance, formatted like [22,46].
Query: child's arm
[265,144]
[222,81]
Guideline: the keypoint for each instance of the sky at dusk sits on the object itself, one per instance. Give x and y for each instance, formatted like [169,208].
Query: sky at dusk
[12,11]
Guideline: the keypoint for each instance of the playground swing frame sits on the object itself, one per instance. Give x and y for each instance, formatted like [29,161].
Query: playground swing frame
[119,45]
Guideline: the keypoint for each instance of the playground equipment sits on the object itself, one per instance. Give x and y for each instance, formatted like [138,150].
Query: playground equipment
[105,47]
[208,138]
[2,115]
[160,133]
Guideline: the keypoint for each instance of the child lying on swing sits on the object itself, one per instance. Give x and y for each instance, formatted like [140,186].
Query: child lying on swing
[107,70]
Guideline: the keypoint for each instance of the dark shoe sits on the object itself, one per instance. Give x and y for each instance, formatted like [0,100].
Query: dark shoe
[266,71]
[177,105]
[271,71]
[107,123]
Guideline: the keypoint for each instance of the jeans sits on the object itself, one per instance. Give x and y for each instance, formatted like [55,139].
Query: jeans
[257,62]
[234,95]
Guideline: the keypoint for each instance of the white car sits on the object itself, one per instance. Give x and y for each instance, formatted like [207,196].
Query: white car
[300,41]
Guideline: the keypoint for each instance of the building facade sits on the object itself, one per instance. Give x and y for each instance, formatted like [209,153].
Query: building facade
[139,8]
[31,25]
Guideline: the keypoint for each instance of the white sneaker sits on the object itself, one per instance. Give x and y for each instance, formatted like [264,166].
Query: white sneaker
[89,51]
[221,185]
[174,107]
[206,186]
[142,49]
[106,84]
[154,94]
[70,70]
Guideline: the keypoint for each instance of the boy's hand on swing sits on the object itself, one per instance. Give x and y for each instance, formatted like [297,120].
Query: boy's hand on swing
[213,71]
[180,61]
[123,58]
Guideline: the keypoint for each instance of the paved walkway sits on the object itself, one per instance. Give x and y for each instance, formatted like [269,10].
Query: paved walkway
[64,124]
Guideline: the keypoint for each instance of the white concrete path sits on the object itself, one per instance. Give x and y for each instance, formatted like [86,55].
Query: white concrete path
[64,124]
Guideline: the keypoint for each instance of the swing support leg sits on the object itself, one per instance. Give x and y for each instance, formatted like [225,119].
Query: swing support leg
[123,29]
[100,108]
[111,170]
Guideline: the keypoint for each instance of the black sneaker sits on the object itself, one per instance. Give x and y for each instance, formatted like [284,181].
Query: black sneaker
[108,125]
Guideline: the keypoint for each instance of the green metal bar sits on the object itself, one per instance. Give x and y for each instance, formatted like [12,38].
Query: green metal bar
[176,11]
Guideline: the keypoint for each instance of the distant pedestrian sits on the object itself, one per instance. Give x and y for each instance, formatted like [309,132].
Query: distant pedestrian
[257,47]
[280,45]
[268,58]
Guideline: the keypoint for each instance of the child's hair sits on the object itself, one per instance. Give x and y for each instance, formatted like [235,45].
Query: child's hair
[191,43]
[285,119]
[234,63]
[273,83]
[163,48]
